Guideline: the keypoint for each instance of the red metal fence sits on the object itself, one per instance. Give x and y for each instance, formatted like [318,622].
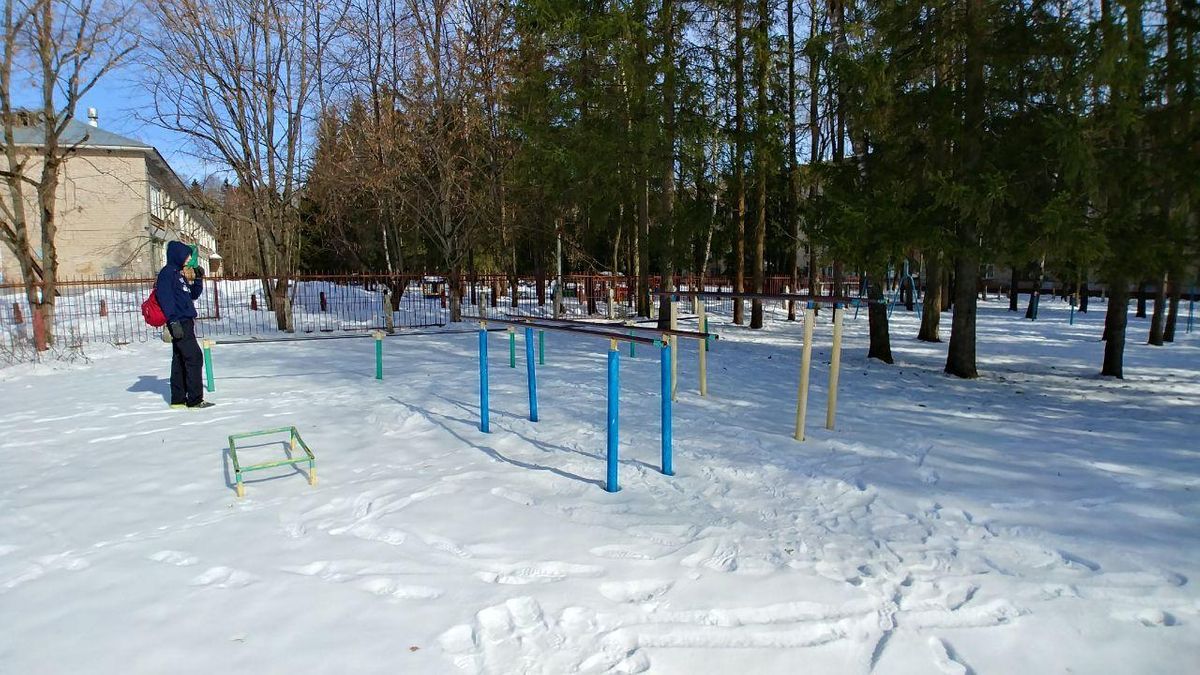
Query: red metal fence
[109,310]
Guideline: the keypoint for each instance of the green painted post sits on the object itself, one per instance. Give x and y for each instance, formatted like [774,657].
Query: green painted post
[512,347]
[208,373]
[541,347]
[631,346]
[378,354]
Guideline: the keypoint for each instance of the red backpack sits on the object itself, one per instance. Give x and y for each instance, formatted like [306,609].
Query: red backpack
[152,313]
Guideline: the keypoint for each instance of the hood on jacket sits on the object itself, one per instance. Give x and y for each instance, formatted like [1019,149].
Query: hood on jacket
[178,253]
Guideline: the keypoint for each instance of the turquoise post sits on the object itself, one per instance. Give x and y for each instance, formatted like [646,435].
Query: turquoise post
[512,347]
[541,347]
[614,389]
[208,373]
[483,380]
[531,372]
[378,358]
[666,408]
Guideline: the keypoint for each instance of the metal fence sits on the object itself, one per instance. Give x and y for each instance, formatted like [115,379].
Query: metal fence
[109,310]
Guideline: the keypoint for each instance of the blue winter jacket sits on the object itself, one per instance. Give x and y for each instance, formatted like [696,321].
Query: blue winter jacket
[175,295]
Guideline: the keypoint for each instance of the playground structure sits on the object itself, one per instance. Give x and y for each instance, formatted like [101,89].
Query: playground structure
[665,342]
[839,304]
[295,442]
[615,332]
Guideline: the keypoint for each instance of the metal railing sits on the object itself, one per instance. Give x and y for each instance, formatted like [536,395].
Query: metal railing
[98,310]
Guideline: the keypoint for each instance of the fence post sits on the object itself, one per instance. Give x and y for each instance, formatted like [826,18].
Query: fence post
[40,342]
[614,393]
[324,302]
[216,283]
[483,378]
[103,307]
[18,318]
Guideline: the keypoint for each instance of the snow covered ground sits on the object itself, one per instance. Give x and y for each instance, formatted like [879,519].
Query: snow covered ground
[1037,520]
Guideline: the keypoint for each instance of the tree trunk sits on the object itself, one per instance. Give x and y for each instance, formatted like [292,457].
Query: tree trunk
[1035,294]
[1156,321]
[1084,294]
[1172,312]
[1141,300]
[456,294]
[793,193]
[762,55]
[1114,328]
[1014,294]
[931,318]
[960,360]
[881,343]
[739,171]
[283,306]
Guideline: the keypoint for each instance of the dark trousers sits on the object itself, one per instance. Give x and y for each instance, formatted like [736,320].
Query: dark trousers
[187,364]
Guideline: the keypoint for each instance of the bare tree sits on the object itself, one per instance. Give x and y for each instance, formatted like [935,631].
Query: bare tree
[238,78]
[63,48]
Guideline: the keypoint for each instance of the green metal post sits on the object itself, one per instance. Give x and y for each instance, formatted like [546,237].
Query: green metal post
[379,356]
[512,348]
[208,373]
[541,347]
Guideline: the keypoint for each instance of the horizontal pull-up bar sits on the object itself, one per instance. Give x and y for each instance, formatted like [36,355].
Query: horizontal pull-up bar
[620,325]
[606,334]
[756,296]
[340,337]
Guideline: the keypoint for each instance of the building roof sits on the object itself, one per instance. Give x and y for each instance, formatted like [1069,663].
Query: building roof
[85,135]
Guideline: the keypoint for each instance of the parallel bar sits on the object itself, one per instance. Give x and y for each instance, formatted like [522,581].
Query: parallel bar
[531,374]
[630,325]
[665,375]
[569,329]
[614,393]
[483,379]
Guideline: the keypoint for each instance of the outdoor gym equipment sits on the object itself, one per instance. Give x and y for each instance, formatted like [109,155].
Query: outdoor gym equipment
[810,315]
[612,419]
[294,443]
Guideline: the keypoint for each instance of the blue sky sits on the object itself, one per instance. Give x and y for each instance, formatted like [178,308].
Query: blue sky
[122,104]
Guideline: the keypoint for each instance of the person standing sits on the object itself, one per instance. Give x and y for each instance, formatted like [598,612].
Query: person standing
[177,288]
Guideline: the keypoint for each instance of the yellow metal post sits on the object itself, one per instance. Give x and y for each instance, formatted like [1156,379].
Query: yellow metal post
[835,365]
[805,365]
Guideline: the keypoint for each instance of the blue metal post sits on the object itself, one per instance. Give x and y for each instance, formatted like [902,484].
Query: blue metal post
[483,380]
[1191,308]
[614,389]
[530,370]
[666,407]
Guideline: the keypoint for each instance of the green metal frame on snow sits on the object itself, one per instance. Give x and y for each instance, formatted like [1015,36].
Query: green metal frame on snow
[294,441]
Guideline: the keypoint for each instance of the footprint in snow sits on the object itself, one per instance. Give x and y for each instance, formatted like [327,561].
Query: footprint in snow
[224,577]
[177,558]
